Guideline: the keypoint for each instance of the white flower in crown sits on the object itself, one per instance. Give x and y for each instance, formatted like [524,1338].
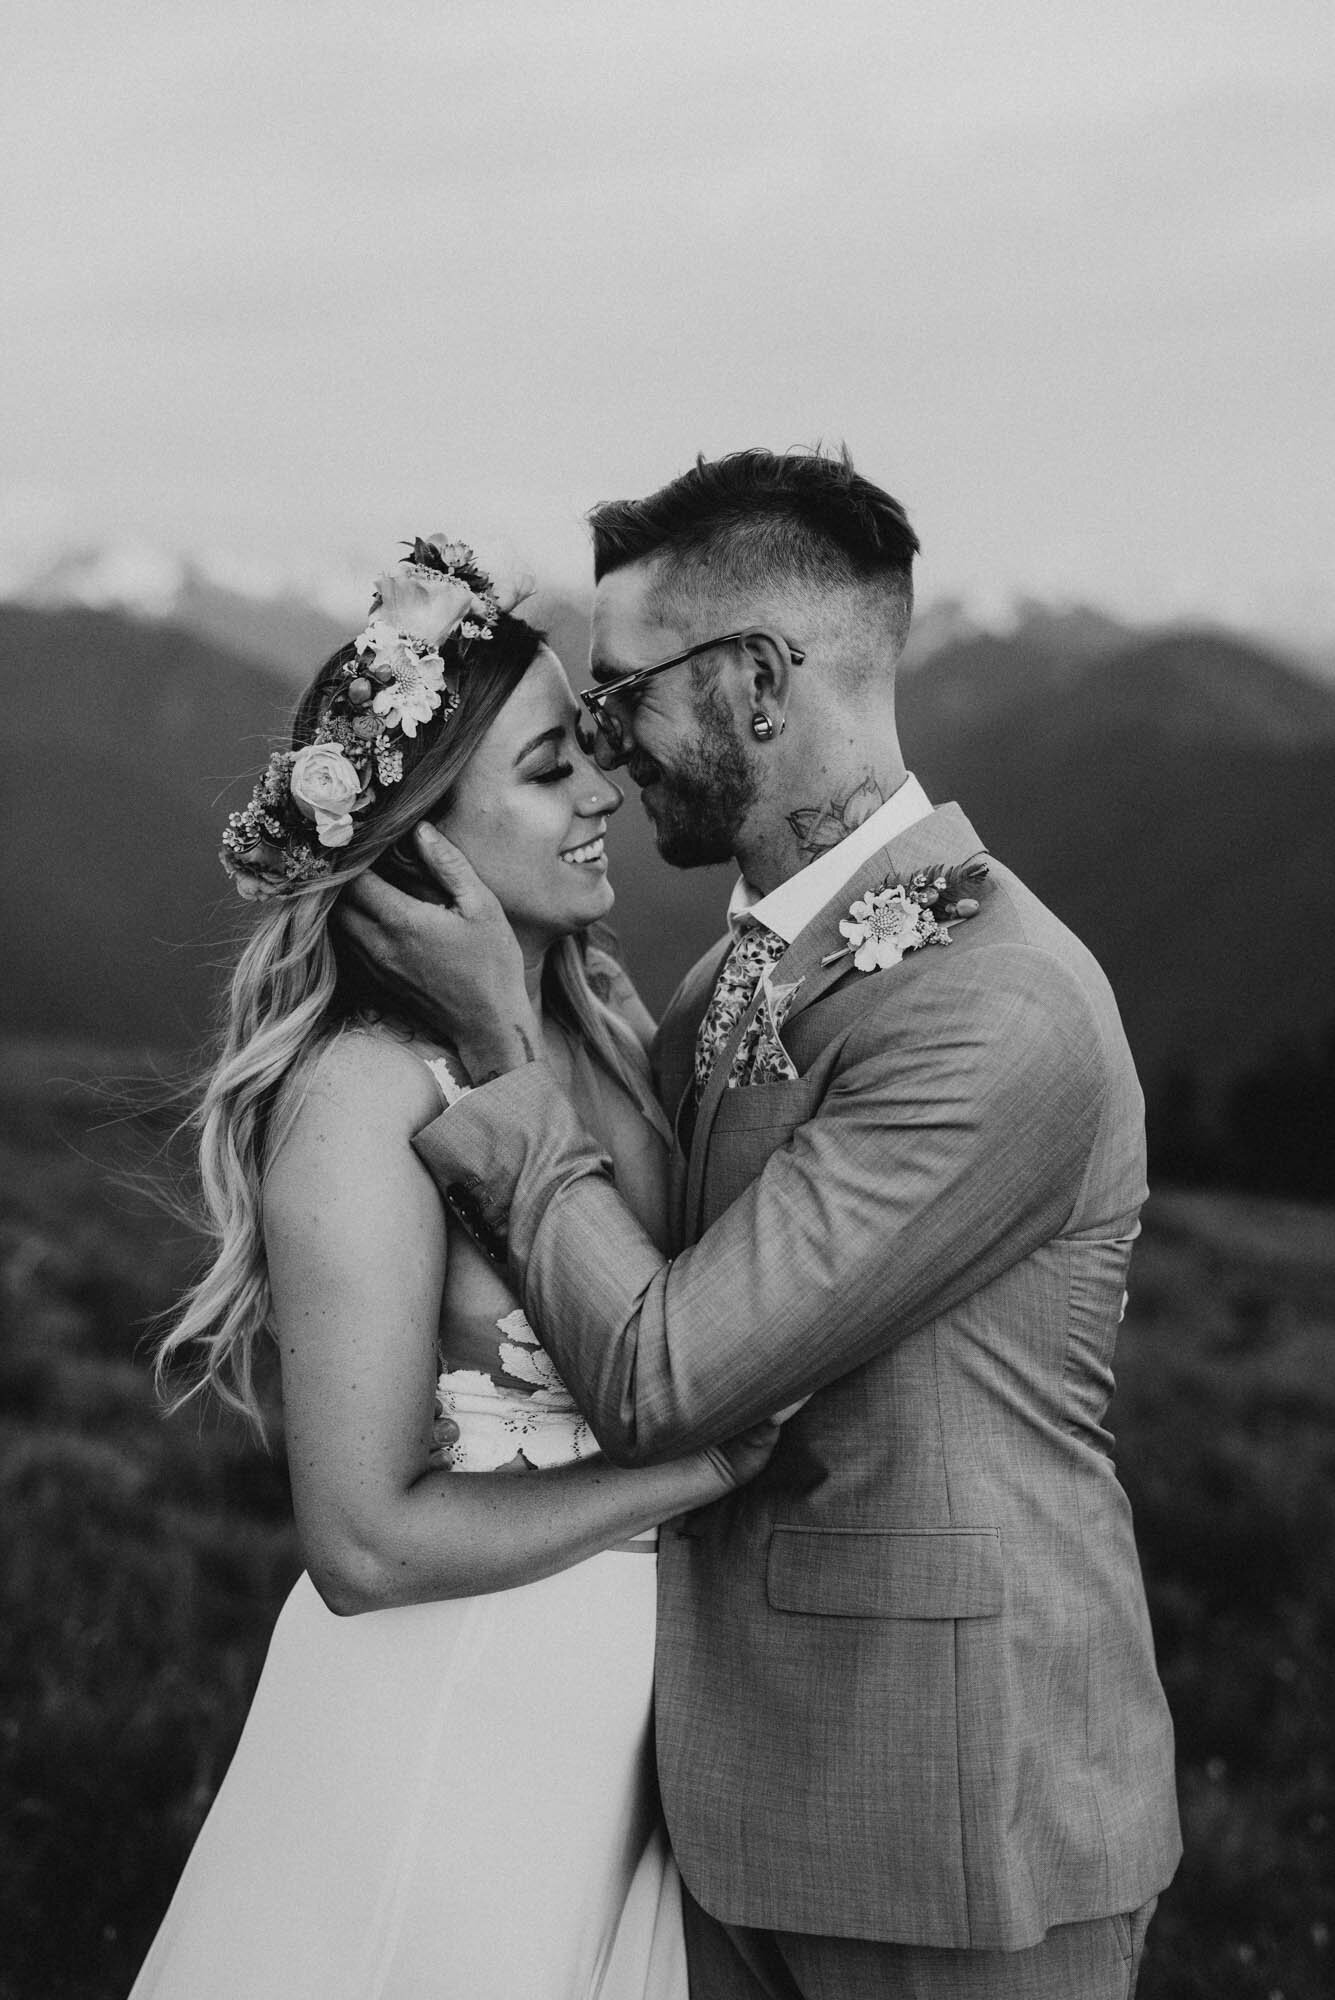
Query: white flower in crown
[325,786]
[411,675]
[422,604]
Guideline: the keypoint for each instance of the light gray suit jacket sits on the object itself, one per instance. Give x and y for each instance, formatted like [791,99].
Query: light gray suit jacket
[906,1687]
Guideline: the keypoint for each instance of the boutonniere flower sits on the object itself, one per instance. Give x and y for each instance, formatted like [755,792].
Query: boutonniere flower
[901,916]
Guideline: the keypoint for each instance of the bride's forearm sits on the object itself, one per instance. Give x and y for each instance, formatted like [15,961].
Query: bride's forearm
[461,1534]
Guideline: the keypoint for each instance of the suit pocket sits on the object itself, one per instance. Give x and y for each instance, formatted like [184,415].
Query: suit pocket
[886,1572]
[777,1107]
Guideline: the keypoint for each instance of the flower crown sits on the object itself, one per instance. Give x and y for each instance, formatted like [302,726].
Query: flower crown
[303,808]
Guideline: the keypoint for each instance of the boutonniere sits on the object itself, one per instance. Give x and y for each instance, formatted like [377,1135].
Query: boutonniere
[904,915]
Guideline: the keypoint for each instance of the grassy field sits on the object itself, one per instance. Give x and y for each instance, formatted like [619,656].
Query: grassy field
[146,1559]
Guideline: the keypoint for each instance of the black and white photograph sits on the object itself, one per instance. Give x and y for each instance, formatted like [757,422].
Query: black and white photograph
[667,1054]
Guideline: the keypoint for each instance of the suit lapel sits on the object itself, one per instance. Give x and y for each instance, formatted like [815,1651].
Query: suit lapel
[679,1058]
[710,1097]
[945,837]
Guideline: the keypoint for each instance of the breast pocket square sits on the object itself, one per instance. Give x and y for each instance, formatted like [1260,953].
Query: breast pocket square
[762,1057]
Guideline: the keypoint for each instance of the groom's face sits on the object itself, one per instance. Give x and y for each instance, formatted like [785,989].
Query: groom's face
[682,746]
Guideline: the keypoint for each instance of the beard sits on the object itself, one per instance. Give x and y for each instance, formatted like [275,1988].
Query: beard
[701,803]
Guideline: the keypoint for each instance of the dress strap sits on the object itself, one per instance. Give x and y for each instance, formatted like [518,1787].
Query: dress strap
[448,1084]
[644,1544]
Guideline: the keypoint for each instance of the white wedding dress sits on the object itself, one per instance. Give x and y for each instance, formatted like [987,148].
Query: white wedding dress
[452,1799]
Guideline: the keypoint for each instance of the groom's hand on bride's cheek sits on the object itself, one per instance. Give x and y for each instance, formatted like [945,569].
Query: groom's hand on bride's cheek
[456,965]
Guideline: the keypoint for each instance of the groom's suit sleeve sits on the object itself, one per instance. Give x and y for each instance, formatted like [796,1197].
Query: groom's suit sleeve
[951,1142]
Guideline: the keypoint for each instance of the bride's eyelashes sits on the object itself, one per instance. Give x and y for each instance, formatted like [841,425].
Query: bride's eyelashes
[554,773]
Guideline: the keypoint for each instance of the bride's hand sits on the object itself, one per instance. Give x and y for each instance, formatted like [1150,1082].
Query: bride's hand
[456,965]
[739,1459]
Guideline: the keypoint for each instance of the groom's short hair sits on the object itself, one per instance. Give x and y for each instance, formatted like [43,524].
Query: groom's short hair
[761,520]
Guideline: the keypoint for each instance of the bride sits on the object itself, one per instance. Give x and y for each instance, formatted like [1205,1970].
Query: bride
[445,1782]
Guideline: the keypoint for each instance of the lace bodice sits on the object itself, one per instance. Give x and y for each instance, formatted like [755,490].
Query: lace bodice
[496,1422]
[534,1416]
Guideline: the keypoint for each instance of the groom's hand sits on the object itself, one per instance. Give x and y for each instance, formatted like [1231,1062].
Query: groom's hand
[456,965]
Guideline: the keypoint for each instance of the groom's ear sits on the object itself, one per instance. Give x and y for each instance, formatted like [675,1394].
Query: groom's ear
[771,676]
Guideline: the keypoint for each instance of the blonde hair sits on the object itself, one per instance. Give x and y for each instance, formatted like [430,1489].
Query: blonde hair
[289,996]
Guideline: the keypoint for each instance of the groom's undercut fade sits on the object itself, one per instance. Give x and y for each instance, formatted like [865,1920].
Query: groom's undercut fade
[761,521]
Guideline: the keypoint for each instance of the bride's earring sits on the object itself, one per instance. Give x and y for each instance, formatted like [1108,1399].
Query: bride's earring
[761,727]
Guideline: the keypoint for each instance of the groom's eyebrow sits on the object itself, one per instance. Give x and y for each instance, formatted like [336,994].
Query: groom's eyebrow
[604,670]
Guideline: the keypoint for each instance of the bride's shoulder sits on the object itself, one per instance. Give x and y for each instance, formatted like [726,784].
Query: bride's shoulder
[374,1062]
[366,1090]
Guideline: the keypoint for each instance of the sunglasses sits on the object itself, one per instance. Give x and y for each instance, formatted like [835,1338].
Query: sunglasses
[598,700]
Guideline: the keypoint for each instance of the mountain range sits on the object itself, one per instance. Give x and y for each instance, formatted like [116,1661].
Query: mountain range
[1170,794]
[290,614]
[273,619]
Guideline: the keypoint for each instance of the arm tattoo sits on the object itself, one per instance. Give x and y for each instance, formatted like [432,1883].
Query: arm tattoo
[817,829]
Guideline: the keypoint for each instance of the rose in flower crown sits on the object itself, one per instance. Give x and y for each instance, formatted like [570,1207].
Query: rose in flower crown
[393,682]
[326,786]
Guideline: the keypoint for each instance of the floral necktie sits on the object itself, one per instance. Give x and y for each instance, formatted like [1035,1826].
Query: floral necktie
[755,951]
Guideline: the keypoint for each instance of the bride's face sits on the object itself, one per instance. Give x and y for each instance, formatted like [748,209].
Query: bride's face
[531,809]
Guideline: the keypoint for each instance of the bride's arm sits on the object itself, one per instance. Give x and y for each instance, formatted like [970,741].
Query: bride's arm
[356,1246]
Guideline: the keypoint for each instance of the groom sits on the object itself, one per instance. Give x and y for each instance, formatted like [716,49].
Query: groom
[911,1739]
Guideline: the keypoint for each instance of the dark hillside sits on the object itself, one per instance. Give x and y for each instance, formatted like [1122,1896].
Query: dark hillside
[1175,804]
[1171,797]
[128,745]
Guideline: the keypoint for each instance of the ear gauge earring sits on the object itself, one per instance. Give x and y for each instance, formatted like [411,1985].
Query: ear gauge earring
[761,727]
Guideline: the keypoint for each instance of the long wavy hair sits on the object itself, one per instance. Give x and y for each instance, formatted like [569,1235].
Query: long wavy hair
[293,990]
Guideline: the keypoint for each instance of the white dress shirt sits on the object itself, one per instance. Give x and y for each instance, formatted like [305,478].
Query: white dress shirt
[790,908]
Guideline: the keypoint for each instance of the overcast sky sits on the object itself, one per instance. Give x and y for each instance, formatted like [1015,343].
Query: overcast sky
[285,276]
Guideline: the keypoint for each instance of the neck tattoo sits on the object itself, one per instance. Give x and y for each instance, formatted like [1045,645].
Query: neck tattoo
[817,829]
